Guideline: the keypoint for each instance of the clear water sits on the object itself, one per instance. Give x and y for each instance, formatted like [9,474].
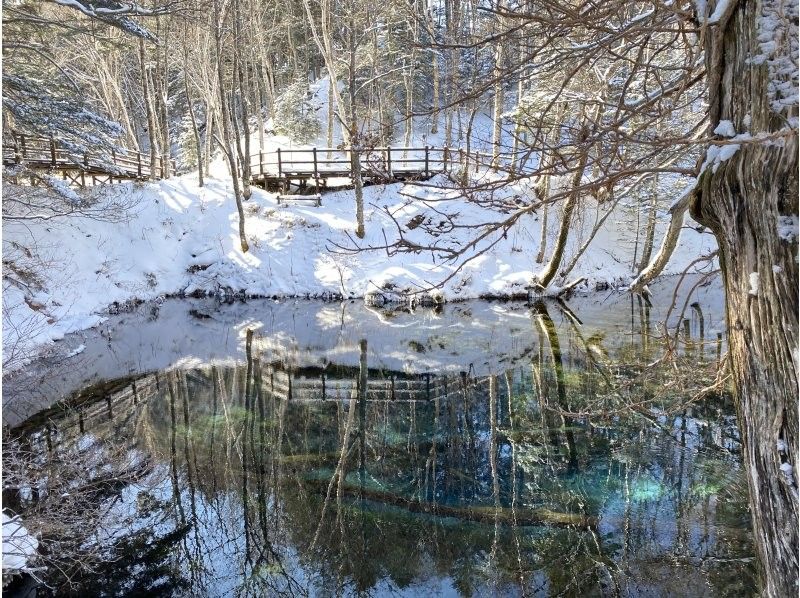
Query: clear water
[485,449]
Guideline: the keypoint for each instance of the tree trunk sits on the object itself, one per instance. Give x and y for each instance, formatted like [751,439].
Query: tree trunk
[551,269]
[650,231]
[227,141]
[435,64]
[750,202]
[195,129]
[148,103]
[163,97]
[499,100]
[355,141]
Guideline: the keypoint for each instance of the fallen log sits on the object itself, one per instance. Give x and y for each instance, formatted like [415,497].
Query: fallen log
[478,514]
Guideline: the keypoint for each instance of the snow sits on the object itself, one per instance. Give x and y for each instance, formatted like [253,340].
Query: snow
[681,197]
[182,239]
[778,40]
[788,227]
[788,473]
[754,282]
[776,269]
[701,6]
[19,546]
[782,446]
[717,154]
[725,128]
[719,11]
[76,351]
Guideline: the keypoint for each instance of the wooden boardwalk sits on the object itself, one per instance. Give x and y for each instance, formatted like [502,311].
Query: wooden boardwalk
[322,167]
[308,170]
[44,154]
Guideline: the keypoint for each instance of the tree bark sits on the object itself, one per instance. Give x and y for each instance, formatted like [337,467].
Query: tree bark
[551,269]
[750,202]
[227,137]
[148,103]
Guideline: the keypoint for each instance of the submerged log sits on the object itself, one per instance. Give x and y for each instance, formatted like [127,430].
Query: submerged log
[479,514]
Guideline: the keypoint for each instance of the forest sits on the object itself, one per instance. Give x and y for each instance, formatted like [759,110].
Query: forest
[411,155]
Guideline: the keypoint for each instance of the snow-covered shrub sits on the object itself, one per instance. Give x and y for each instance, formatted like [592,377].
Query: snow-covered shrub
[295,115]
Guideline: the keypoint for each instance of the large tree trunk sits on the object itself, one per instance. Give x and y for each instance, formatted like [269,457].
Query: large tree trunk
[750,202]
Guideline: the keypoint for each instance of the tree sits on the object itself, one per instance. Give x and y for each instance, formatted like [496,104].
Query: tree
[750,202]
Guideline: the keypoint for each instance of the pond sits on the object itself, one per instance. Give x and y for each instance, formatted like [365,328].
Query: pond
[482,448]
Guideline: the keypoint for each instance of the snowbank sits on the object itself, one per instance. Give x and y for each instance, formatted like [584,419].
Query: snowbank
[180,239]
[19,547]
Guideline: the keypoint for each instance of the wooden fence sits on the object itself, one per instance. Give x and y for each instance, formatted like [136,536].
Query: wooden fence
[282,166]
[42,153]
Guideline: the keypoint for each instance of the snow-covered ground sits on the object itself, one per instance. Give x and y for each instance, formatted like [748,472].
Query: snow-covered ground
[176,238]
[19,546]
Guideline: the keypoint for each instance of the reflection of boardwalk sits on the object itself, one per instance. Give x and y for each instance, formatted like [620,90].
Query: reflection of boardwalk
[108,407]
[308,385]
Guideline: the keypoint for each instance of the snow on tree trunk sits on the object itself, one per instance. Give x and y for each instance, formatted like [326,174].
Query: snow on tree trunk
[750,202]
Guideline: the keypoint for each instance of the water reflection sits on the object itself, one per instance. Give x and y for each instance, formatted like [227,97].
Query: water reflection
[290,475]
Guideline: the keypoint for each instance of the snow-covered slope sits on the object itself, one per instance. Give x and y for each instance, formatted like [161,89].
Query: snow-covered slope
[178,238]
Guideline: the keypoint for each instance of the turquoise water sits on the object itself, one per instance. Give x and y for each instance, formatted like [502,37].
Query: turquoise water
[538,455]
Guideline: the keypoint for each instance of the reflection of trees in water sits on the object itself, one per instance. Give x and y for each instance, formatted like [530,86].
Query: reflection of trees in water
[497,483]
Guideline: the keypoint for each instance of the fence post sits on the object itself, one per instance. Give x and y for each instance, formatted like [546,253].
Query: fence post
[22,144]
[261,162]
[86,159]
[445,157]
[52,150]
[427,160]
[139,164]
[279,163]
[389,159]
[477,160]
[316,174]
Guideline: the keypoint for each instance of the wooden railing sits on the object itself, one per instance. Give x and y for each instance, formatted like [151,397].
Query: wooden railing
[47,153]
[329,162]
[392,162]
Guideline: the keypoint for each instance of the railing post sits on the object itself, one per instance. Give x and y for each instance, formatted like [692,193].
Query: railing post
[86,159]
[316,174]
[139,164]
[280,166]
[477,160]
[445,157]
[389,159]
[52,150]
[22,145]
[261,162]
[427,160]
